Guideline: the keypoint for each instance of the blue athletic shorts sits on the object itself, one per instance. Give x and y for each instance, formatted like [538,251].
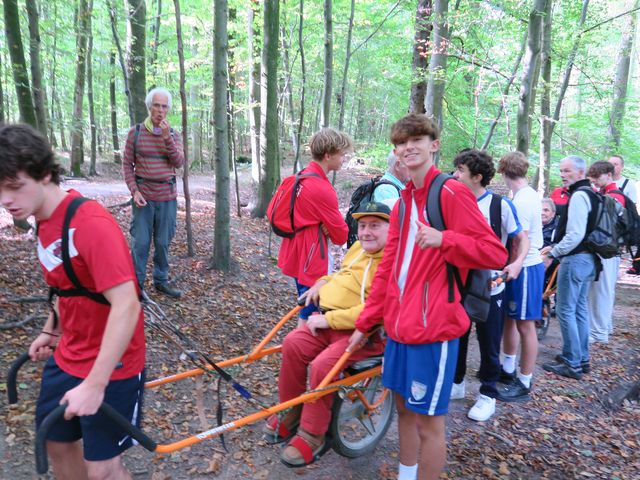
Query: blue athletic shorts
[523,295]
[101,439]
[421,374]
[306,312]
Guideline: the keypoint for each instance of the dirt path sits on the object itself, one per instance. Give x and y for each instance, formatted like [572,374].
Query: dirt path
[563,432]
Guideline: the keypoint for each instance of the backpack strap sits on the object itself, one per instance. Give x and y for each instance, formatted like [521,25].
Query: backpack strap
[495,214]
[136,136]
[624,184]
[79,289]
[433,214]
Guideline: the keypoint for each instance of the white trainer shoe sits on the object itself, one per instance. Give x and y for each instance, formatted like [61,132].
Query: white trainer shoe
[457,392]
[483,409]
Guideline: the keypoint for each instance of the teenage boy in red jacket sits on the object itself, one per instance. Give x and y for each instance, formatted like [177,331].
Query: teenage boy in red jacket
[306,256]
[410,293]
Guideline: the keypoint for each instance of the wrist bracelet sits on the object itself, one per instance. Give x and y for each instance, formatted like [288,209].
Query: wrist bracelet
[50,334]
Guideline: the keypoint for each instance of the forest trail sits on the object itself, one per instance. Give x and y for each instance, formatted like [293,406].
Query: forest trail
[565,431]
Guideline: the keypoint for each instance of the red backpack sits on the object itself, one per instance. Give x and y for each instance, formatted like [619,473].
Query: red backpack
[280,209]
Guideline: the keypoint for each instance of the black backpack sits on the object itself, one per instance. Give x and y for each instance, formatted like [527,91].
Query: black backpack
[362,195]
[631,221]
[476,292]
[606,225]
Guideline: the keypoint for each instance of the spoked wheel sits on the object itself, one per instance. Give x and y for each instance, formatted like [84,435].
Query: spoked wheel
[543,325]
[356,428]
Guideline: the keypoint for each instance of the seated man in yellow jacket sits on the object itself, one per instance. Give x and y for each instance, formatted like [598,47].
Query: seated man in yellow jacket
[321,340]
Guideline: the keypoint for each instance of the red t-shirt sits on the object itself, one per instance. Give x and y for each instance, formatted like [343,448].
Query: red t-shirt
[101,260]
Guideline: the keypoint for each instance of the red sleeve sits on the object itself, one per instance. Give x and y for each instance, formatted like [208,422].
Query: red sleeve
[374,305]
[175,151]
[468,241]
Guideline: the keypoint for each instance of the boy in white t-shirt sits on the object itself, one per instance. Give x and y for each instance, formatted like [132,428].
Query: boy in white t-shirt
[475,169]
[523,295]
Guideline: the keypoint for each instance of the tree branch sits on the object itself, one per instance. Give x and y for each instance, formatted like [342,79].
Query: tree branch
[375,30]
[608,20]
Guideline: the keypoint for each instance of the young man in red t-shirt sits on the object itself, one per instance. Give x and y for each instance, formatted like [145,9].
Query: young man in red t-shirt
[410,295]
[99,348]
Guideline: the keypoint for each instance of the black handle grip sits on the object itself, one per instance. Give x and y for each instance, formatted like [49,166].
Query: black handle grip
[42,465]
[12,376]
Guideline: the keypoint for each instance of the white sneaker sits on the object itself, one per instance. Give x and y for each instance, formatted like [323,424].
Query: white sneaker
[484,408]
[457,392]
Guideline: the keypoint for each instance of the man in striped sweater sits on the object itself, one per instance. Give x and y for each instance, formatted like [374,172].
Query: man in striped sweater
[152,153]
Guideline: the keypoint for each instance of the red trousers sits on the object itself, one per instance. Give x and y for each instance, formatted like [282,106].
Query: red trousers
[301,350]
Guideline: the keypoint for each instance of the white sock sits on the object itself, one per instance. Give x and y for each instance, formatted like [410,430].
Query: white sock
[509,363]
[525,379]
[406,472]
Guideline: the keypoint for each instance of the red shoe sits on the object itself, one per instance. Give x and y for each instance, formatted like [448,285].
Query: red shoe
[633,271]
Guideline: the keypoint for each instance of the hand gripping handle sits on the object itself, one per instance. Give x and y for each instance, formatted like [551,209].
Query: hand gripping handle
[42,465]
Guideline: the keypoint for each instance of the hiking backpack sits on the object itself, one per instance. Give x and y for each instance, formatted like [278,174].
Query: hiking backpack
[280,211]
[606,225]
[631,222]
[362,195]
[476,291]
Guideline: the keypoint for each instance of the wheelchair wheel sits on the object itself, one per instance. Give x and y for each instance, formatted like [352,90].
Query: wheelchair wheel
[354,430]
[542,325]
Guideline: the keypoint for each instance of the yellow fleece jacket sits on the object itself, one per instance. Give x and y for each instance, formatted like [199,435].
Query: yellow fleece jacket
[347,289]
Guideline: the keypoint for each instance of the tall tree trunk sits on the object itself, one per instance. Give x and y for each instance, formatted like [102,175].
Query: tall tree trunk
[327,86]
[194,100]
[420,62]
[92,113]
[505,91]
[254,92]
[345,72]
[136,59]
[269,112]
[303,80]
[288,88]
[2,115]
[63,139]
[541,178]
[114,108]
[528,75]
[77,154]
[564,83]
[37,88]
[155,30]
[18,63]
[221,258]
[621,80]
[185,131]
[438,65]
[123,65]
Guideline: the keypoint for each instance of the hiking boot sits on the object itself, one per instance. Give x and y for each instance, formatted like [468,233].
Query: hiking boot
[515,392]
[483,409]
[586,366]
[168,290]
[506,378]
[563,369]
[457,391]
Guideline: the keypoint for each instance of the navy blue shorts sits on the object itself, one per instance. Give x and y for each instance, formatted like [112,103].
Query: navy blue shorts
[306,312]
[523,295]
[421,374]
[101,439]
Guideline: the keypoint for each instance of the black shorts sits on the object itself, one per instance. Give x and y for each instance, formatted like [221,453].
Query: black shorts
[101,438]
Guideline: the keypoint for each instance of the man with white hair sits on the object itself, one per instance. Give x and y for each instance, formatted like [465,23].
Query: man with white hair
[577,270]
[392,181]
[152,153]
